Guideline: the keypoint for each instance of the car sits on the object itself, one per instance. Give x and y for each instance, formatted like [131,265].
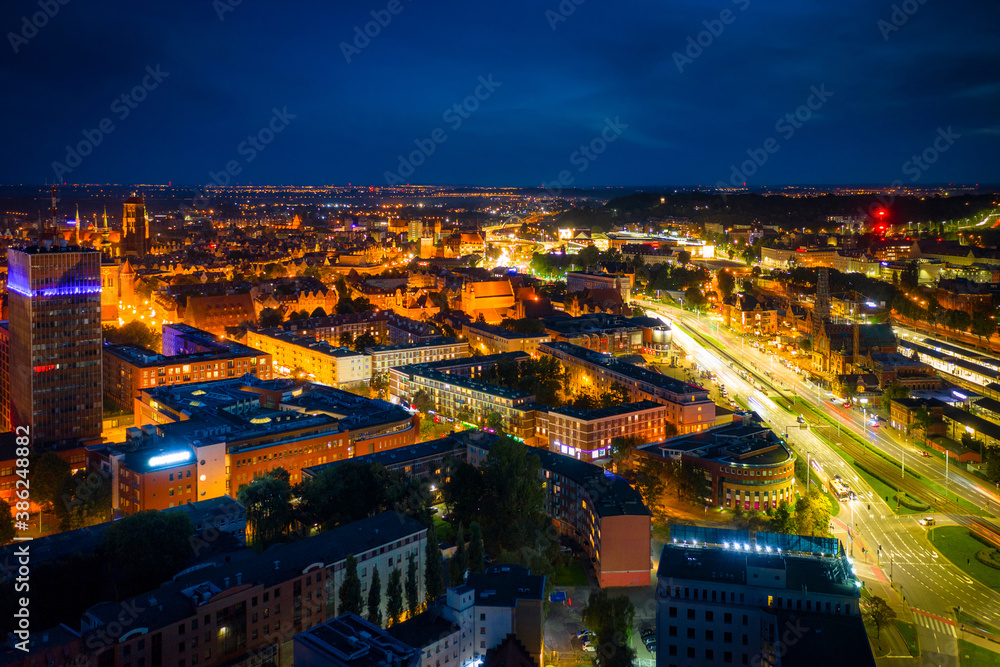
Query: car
[927,521]
[587,646]
[923,453]
[873,423]
[647,633]
[650,644]
[583,634]
[802,419]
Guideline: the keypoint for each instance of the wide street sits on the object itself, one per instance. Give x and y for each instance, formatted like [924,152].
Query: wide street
[930,585]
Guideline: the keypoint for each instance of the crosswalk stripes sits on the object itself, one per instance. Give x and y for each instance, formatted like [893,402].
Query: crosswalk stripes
[936,625]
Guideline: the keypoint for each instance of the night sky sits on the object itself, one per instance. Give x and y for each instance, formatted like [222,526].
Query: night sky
[554,80]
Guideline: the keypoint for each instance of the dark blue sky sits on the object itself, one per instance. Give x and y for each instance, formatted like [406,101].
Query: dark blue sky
[686,124]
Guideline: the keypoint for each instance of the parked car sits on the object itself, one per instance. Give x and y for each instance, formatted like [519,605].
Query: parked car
[583,634]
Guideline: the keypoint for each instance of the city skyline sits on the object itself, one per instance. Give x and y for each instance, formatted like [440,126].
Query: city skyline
[700,95]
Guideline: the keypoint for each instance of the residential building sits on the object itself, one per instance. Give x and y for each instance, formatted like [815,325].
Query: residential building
[688,406]
[744,464]
[240,609]
[489,299]
[129,369]
[587,434]
[55,343]
[351,641]
[746,314]
[466,399]
[601,332]
[385,357]
[316,359]
[721,606]
[437,639]
[492,339]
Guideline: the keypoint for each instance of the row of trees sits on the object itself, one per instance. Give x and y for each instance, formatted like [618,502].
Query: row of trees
[809,515]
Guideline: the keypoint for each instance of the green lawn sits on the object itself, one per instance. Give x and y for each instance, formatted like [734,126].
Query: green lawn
[973,655]
[571,574]
[909,633]
[445,532]
[969,620]
[955,544]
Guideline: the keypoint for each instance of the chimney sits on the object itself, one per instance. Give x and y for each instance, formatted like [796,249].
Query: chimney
[276,563]
[239,578]
[225,582]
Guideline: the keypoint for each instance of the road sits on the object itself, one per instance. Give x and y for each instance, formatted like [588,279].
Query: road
[897,545]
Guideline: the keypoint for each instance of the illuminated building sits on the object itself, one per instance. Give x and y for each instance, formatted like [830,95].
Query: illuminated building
[192,358]
[731,604]
[241,609]
[385,357]
[688,406]
[315,359]
[135,229]
[55,342]
[587,434]
[491,339]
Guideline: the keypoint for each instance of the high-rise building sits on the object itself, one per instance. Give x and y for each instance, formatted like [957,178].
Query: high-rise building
[55,342]
[135,232]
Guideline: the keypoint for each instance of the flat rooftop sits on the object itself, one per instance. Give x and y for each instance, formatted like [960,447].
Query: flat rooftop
[817,574]
[628,370]
[604,413]
[422,370]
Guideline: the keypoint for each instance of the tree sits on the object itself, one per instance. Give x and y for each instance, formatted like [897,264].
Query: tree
[610,618]
[270,317]
[49,479]
[375,598]
[512,510]
[87,500]
[7,531]
[693,298]
[588,257]
[267,500]
[893,392]
[683,258]
[727,283]
[812,513]
[982,325]
[412,591]
[422,401]
[142,550]
[460,561]
[781,520]
[477,561]
[364,340]
[379,383]
[433,568]
[350,590]
[494,422]
[394,596]
[621,448]
[924,419]
[134,333]
[878,612]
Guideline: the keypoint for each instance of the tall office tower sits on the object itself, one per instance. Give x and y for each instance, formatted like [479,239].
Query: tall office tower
[55,342]
[135,232]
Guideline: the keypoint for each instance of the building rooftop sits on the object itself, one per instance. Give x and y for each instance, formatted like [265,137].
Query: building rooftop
[504,585]
[411,346]
[424,371]
[817,574]
[839,639]
[630,371]
[177,600]
[423,629]
[745,443]
[401,455]
[350,640]
[501,332]
[604,413]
